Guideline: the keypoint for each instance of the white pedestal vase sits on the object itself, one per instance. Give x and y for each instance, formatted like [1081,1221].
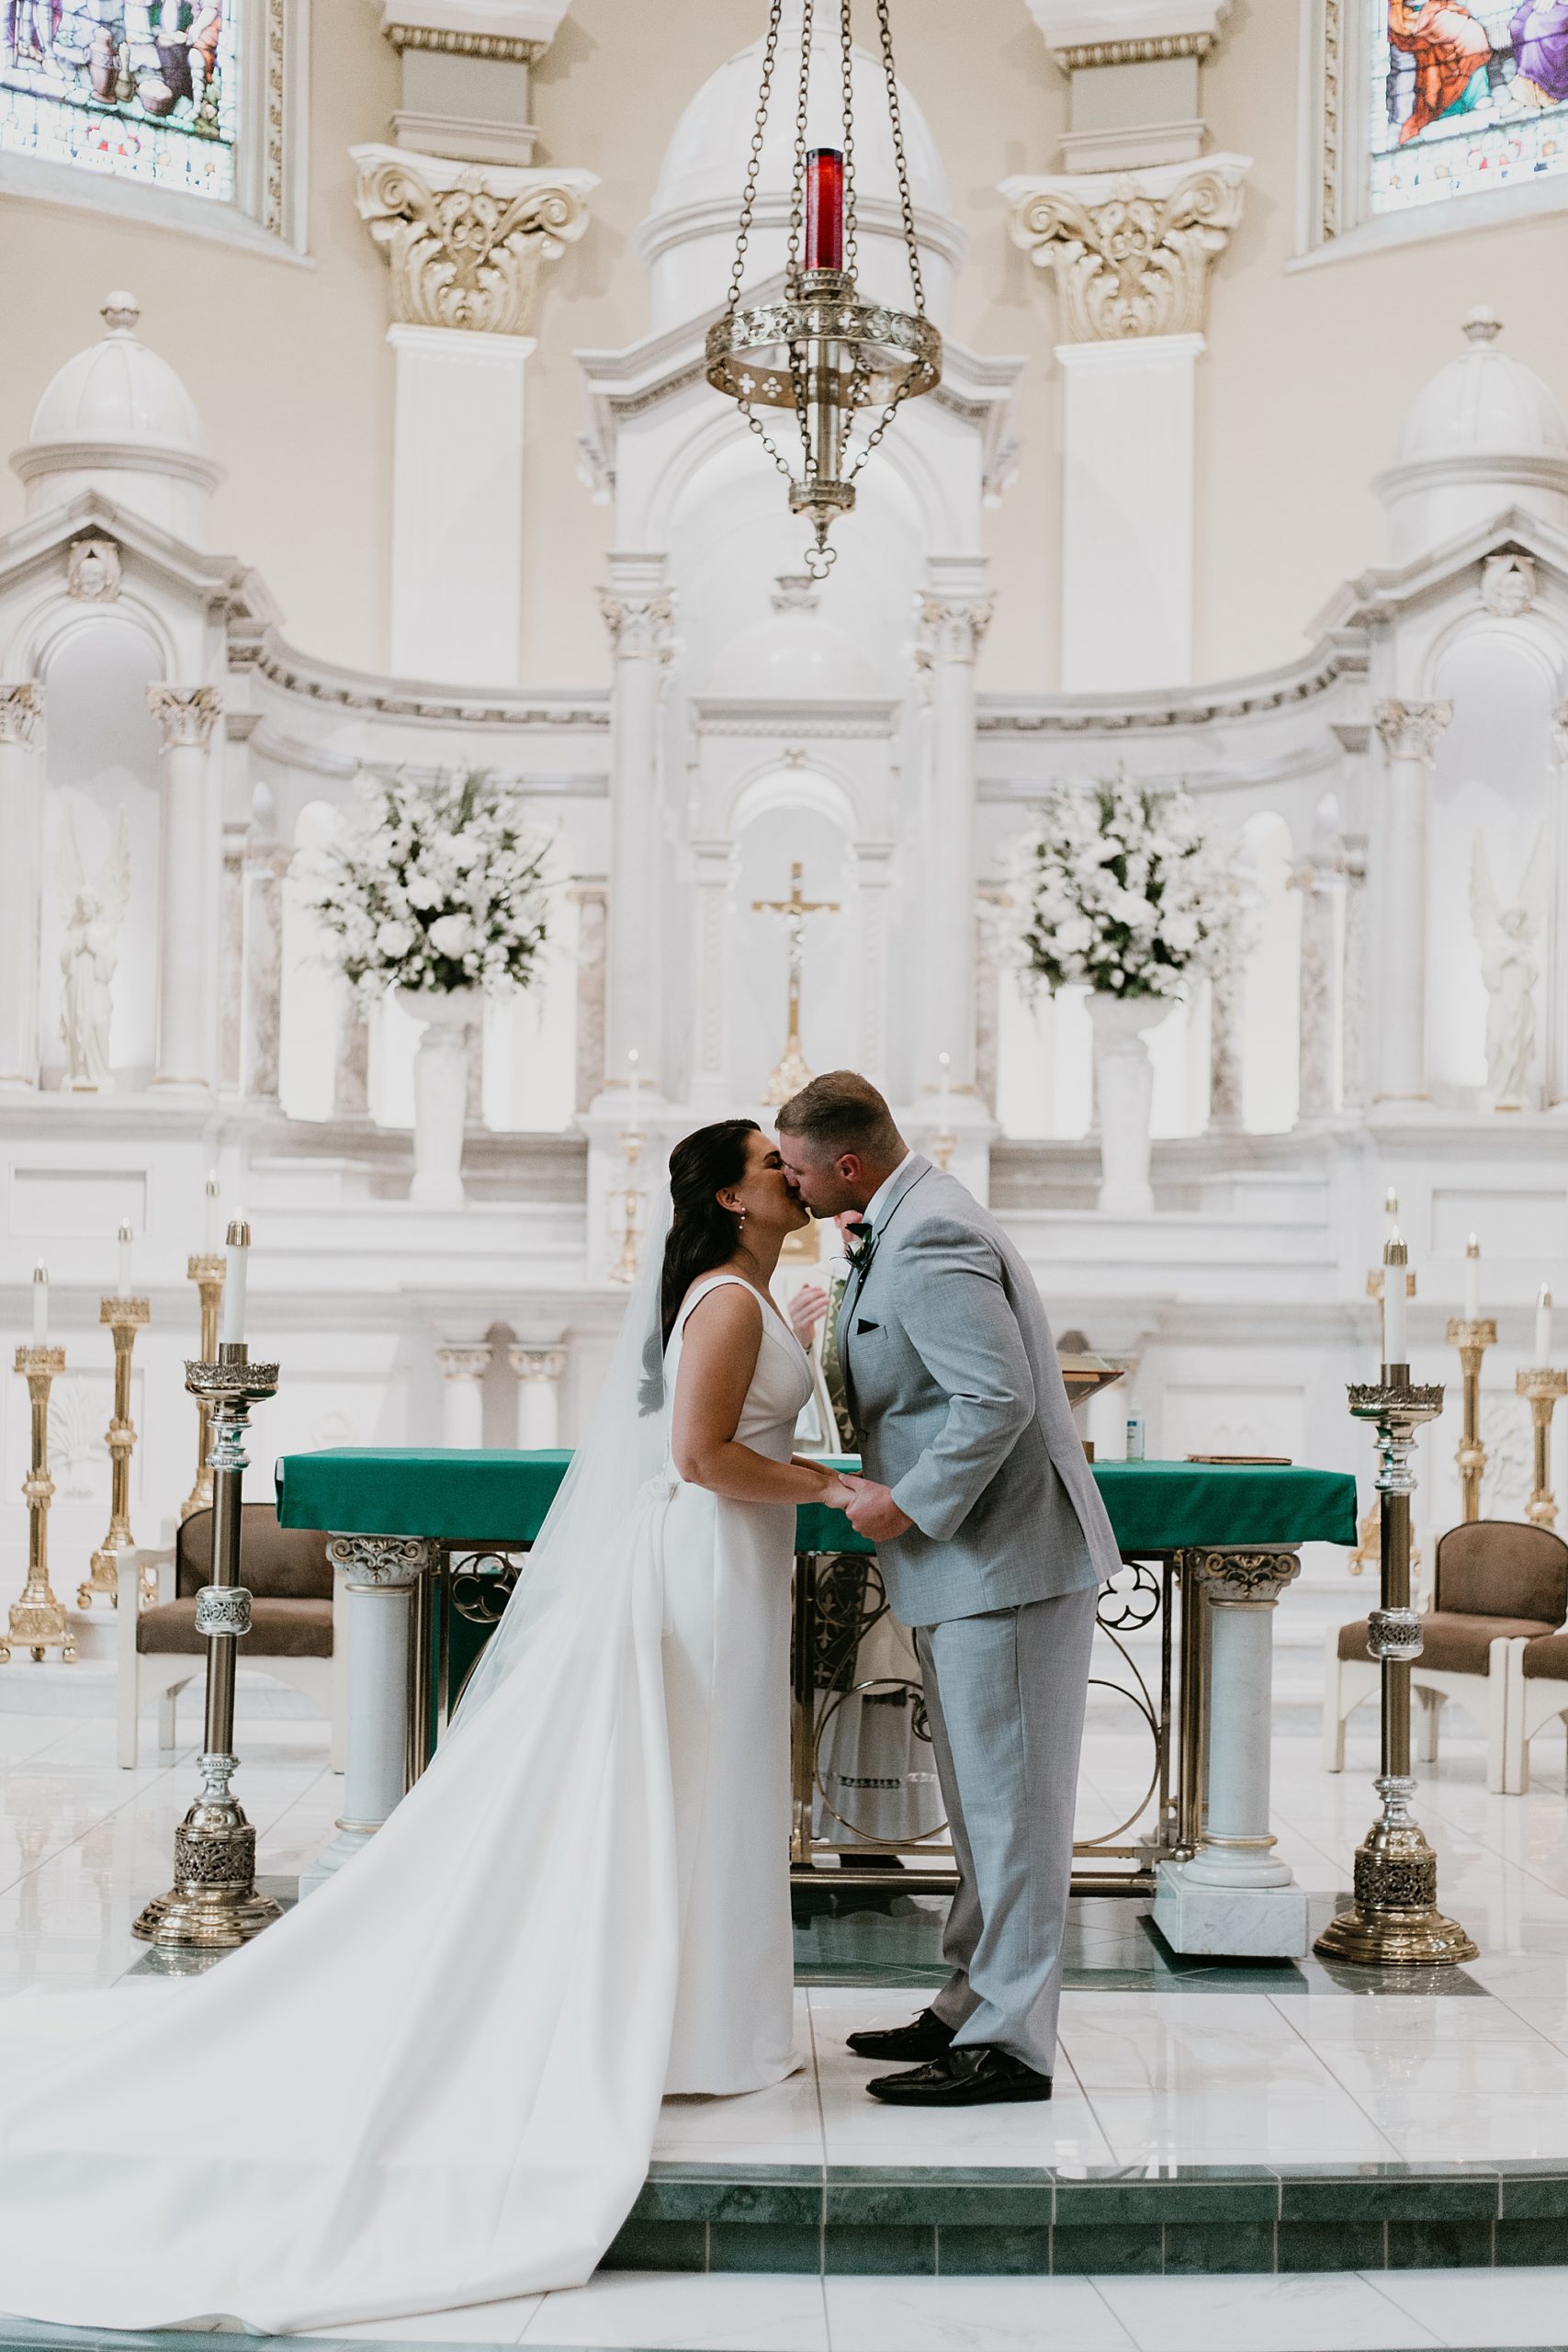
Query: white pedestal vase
[1124,1083]
[440,1090]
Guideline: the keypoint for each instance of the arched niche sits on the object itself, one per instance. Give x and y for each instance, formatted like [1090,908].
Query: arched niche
[102,756]
[788,816]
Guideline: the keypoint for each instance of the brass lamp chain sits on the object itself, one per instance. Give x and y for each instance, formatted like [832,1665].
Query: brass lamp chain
[748,208]
[911,241]
[797,359]
[847,77]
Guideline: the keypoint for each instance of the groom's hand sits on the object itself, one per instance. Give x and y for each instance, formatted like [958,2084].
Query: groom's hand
[871,1512]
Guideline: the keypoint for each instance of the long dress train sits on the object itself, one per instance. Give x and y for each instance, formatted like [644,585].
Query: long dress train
[437,2081]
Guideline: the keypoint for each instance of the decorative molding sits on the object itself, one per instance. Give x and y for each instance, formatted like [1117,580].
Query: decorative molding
[869,717]
[379,1560]
[640,627]
[464,1362]
[186,715]
[1254,1578]
[1132,251]
[21,707]
[1089,33]
[92,571]
[1409,730]
[298,673]
[465,244]
[1152,49]
[1155,713]
[1508,584]
[494,47]
[954,627]
[546,1364]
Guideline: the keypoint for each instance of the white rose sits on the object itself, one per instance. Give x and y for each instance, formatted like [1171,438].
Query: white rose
[452,935]
[393,940]
[421,891]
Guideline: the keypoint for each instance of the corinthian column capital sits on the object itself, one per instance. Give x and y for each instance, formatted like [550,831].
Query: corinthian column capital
[466,242]
[641,626]
[1132,251]
[186,715]
[1409,730]
[21,707]
[954,627]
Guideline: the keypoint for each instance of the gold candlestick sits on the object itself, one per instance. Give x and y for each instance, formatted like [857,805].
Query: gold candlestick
[1471,1338]
[39,1622]
[1543,1386]
[207,1273]
[626,1204]
[125,1318]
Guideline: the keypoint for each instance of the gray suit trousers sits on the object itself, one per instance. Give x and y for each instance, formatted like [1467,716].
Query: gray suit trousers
[1005,1695]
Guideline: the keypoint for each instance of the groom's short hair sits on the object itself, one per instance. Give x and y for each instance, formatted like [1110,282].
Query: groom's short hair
[843,1111]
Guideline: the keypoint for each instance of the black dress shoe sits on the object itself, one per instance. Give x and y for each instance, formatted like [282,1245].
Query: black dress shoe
[923,2037]
[975,2076]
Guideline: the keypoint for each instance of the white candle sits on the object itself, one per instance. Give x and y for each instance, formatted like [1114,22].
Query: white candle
[1390,1213]
[1472,1279]
[122,1276]
[632,1080]
[1395,1301]
[945,1064]
[40,1305]
[1543,1329]
[236,1252]
[209,1228]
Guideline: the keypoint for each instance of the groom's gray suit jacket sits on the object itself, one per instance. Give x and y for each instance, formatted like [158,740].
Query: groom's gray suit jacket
[951,1372]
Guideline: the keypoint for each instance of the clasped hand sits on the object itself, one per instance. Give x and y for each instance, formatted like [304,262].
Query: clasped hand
[867,1505]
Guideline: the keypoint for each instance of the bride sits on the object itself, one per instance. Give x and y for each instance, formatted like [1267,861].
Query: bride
[437,2082]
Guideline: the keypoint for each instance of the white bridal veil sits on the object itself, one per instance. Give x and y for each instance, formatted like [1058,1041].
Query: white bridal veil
[437,2081]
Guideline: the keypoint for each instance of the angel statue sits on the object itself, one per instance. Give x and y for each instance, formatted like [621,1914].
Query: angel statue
[92,916]
[1506,937]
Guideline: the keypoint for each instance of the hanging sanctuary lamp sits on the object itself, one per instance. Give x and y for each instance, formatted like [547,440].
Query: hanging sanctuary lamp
[818,348]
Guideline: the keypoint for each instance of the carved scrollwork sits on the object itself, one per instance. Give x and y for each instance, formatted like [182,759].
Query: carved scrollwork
[379,1559]
[1131,251]
[1244,1576]
[466,255]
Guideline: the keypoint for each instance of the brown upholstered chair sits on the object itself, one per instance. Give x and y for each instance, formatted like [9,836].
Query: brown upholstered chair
[297,1631]
[1497,1585]
[1537,1691]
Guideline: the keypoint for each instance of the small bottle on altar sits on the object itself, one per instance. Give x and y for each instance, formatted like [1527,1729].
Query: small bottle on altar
[1135,1437]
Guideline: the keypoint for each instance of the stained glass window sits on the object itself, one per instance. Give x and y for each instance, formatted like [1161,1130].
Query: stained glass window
[141,90]
[1465,96]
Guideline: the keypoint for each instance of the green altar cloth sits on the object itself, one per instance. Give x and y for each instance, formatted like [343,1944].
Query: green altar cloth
[456,1496]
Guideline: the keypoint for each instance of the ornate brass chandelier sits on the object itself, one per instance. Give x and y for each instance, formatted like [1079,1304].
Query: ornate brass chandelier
[818,348]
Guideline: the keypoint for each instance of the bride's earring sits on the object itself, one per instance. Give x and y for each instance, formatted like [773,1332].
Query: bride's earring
[741,1226]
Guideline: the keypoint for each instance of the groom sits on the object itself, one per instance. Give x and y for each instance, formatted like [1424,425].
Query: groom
[992,1539]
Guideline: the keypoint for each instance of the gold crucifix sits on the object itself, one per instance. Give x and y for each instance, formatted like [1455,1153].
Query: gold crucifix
[792,1073]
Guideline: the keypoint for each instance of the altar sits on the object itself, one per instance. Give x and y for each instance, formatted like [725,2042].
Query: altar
[432,1543]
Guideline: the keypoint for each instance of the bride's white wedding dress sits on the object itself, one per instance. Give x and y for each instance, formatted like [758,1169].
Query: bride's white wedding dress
[437,2082]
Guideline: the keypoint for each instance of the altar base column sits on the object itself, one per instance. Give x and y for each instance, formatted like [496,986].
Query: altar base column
[186,715]
[21,869]
[463,1369]
[1409,731]
[381,1575]
[1236,1897]
[539,1364]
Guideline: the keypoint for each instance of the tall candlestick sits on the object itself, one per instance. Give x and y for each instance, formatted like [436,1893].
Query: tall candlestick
[1390,1213]
[1395,1301]
[1472,1279]
[634,1077]
[38,1621]
[209,1225]
[40,1305]
[236,1253]
[122,1276]
[824,209]
[125,1317]
[1543,1327]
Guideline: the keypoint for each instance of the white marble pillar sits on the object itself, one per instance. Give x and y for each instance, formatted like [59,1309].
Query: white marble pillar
[463,1368]
[1555,1091]
[1225,1102]
[1317,879]
[872,884]
[637,614]
[1409,733]
[1235,1895]
[231,961]
[465,242]
[380,1573]
[185,716]
[955,613]
[1353,986]
[590,901]
[539,1364]
[263,1002]
[21,884]
[713,873]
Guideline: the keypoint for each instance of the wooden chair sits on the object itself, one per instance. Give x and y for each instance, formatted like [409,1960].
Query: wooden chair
[1497,1585]
[298,1622]
[1538,1695]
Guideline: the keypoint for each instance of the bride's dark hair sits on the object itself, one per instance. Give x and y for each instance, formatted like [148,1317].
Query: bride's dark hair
[701,1235]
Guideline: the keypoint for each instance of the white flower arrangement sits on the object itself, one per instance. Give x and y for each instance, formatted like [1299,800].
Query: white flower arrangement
[437,885]
[1118,890]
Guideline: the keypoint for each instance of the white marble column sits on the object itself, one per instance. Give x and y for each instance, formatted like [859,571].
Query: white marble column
[381,1573]
[539,1364]
[1235,1895]
[463,1368]
[21,884]
[185,716]
[637,614]
[713,871]
[1225,1100]
[1409,733]
[1317,879]
[591,945]
[263,1002]
[465,242]
[1555,1092]
[873,880]
[1353,988]
[955,615]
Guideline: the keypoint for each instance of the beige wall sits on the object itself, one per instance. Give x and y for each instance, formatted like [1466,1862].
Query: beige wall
[1306,381]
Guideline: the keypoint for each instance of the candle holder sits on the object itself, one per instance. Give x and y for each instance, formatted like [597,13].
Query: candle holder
[1471,1338]
[1368,1542]
[207,1273]
[628,1205]
[213,1903]
[39,1622]
[125,1318]
[1393,1921]
[1543,1386]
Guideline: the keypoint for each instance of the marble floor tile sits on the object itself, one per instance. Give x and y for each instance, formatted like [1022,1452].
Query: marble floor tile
[970,2315]
[766,2312]
[1427,2127]
[474,2324]
[1331,2019]
[1336,2311]
[1381,2074]
[1322,2125]
[1062,2130]
[1477,2308]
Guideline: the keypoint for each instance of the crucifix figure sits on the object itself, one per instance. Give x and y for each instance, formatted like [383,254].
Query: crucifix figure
[792,1073]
